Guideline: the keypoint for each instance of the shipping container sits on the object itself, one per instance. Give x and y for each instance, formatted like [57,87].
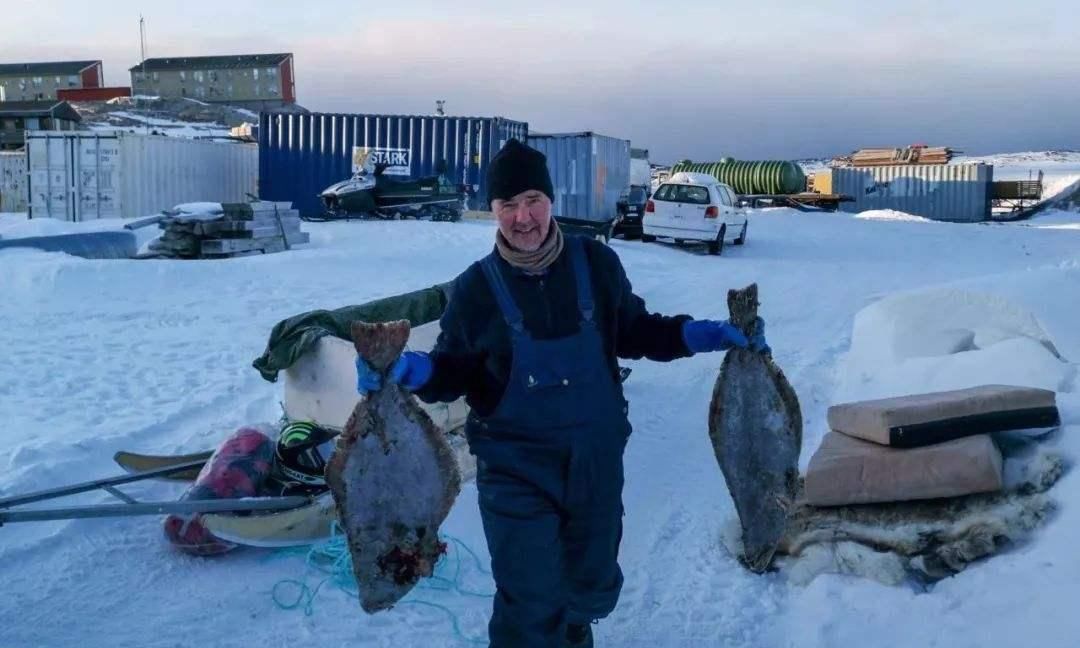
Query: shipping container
[13,179]
[92,94]
[953,192]
[80,176]
[589,172]
[302,154]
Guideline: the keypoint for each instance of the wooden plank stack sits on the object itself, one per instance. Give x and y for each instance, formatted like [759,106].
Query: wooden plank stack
[237,229]
[895,156]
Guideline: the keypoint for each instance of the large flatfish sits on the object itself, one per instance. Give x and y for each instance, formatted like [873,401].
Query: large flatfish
[393,478]
[755,425]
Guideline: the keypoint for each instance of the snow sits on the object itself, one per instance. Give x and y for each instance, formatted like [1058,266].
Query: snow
[155,356]
[891,215]
[20,225]
[170,127]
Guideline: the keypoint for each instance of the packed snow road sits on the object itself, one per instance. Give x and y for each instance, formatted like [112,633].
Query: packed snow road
[155,356]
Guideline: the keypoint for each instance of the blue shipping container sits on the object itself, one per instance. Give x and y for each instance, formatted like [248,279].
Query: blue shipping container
[302,154]
[589,172]
[945,192]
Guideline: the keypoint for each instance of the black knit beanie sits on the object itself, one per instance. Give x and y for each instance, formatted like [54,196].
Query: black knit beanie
[515,168]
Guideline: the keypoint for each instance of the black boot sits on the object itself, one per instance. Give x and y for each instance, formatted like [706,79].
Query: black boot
[579,635]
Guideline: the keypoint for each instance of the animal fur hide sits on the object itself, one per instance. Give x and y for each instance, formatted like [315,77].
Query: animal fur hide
[921,542]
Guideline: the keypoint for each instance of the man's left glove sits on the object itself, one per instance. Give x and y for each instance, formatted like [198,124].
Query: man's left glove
[713,335]
[411,370]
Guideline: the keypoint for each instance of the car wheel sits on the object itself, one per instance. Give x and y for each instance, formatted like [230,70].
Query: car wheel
[716,247]
[742,236]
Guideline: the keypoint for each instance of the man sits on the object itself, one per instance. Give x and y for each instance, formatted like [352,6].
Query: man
[531,338]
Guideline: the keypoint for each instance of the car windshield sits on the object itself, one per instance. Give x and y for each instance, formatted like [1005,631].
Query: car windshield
[637,194]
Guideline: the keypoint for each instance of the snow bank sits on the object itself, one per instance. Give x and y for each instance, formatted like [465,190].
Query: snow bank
[13,226]
[891,215]
[991,330]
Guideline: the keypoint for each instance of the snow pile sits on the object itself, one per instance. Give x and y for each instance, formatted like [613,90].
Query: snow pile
[14,226]
[891,215]
[953,337]
[155,356]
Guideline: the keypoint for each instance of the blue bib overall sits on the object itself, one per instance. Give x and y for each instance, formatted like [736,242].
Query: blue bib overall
[550,476]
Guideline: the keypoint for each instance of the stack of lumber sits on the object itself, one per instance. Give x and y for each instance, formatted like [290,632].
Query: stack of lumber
[908,155]
[233,229]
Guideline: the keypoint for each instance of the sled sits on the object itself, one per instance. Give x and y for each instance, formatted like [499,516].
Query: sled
[131,506]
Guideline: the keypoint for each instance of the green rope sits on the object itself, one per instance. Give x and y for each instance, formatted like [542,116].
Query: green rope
[332,558]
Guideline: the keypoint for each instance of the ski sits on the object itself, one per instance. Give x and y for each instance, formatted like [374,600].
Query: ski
[134,462]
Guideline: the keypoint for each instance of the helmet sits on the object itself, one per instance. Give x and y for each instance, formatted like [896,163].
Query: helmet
[300,457]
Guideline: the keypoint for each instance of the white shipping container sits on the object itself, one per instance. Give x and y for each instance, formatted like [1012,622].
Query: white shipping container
[640,172]
[80,176]
[13,181]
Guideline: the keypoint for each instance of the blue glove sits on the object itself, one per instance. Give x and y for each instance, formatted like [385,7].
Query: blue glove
[712,335]
[411,370]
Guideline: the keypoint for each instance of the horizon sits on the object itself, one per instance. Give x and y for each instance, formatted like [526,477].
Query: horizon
[702,82]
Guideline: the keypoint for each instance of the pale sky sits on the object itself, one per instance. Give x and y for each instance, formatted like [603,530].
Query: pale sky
[686,79]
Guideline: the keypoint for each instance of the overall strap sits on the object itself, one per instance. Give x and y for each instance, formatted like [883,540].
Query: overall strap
[510,311]
[581,275]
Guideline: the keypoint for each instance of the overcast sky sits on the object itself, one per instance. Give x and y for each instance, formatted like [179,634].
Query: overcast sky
[684,79]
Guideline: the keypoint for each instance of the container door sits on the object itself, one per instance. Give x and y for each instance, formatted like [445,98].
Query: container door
[51,182]
[97,176]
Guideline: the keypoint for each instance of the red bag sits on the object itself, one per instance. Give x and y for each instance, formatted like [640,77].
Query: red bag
[236,469]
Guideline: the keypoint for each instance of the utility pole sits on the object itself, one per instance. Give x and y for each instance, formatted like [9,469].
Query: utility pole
[142,57]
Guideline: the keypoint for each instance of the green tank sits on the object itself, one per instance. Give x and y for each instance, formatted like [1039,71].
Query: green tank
[751,177]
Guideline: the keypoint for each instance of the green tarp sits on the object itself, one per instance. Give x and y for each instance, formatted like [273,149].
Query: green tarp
[291,338]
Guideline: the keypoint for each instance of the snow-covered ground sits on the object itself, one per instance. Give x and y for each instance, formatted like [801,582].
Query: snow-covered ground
[155,356]
[123,120]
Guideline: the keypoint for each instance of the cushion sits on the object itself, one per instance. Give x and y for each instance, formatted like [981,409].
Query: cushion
[845,470]
[925,419]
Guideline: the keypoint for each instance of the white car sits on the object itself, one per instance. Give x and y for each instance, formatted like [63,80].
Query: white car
[695,207]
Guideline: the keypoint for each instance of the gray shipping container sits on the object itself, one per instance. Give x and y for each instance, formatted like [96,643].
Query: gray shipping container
[82,175]
[589,172]
[944,192]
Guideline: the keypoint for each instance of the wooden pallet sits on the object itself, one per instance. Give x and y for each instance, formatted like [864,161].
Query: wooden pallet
[241,228]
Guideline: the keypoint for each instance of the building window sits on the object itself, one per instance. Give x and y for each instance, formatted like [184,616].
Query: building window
[213,75]
[73,81]
[272,90]
[37,82]
[230,89]
[255,73]
[22,85]
[154,75]
[183,75]
[198,76]
[271,72]
[58,82]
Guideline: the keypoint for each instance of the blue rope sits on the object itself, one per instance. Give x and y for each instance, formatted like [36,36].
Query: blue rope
[333,559]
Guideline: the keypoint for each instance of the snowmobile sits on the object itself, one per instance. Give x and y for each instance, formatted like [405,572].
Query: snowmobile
[370,193]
